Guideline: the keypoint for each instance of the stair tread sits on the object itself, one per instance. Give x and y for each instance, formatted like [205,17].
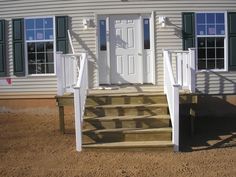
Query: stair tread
[108,118]
[131,144]
[126,94]
[130,130]
[128,105]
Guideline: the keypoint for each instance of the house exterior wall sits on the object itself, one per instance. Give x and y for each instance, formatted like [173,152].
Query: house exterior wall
[168,37]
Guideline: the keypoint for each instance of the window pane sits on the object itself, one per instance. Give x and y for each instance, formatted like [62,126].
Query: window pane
[211,30]
[40,47]
[201,29]
[210,42]
[30,35]
[210,53]
[220,18]
[29,24]
[49,68]
[48,34]
[40,58]
[201,18]
[49,57]
[220,29]
[210,64]
[220,42]
[210,18]
[49,46]
[220,64]
[201,42]
[40,68]
[48,23]
[103,40]
[32,69]
[31,58]
[219,53]
[39,35]
[201,53]
[39,23]
[201,64]
[31,47]
[146,31]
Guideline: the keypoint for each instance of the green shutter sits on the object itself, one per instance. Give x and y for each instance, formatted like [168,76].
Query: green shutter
[232,40]
[18,47]
[3,70]
[188,30]
[61,33]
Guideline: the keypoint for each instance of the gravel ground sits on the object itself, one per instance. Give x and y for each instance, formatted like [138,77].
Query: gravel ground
[31,145]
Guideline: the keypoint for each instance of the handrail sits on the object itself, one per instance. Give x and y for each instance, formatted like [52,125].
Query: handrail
[171,89]
[72,77]
[80,94]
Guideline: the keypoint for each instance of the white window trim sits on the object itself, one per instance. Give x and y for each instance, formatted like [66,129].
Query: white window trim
[226,64]
[54,47]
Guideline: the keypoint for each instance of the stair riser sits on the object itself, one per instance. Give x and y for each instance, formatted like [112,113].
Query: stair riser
[111,100]
[112,124]
[122,137]
[122,111]
[130,149]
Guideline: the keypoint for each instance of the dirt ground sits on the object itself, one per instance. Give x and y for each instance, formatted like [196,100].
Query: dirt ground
[31,145]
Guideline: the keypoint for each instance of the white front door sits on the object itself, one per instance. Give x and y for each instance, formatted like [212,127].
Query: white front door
[124,49]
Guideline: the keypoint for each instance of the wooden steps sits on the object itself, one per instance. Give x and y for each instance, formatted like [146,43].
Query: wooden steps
[127,121]
[129,118]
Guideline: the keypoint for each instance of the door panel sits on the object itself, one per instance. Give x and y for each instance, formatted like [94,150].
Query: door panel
[131,65]
[119,65]
[130,38]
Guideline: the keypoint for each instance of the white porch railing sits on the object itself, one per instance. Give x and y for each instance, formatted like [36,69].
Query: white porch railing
[171,89]
[185,68]
[72,77]
[67,67]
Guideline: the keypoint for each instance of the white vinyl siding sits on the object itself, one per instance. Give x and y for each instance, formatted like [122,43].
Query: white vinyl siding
[168,37]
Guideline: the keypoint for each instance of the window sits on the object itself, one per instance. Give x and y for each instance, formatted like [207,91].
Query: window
[146,33]
[211,40]
[103,40]
[39,35]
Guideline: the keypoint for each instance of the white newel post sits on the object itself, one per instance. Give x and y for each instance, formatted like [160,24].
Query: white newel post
[60,73]
[192,63]
[176,117]
[78,114]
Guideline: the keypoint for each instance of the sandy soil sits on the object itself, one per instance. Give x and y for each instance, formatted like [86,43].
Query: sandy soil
[31,145]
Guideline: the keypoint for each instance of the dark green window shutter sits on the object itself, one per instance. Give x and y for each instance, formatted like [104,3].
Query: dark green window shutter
[3,70]
[188,30]
[232,40]
[18,46]
[61,33]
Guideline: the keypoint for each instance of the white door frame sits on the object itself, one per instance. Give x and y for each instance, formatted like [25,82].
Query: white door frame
[141,50]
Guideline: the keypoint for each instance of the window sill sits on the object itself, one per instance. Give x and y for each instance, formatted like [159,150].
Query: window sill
[41,75]
[213,70]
